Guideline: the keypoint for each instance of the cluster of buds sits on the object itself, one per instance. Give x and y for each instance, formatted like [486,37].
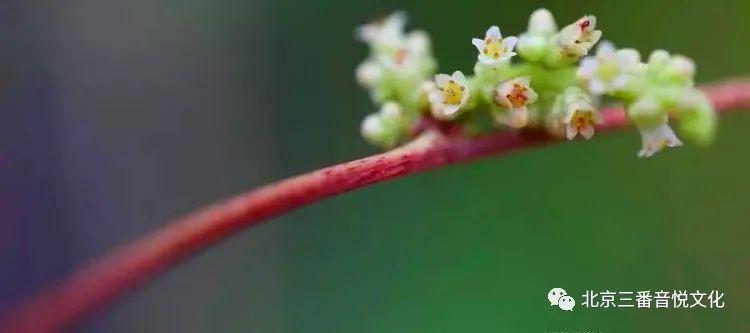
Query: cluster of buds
[557,85]
[396,72]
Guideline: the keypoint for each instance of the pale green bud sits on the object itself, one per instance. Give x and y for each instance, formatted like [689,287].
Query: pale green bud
[369,73]
[647,111]
[533,47]
[680,69]
[385,128]
[658,60]
[542,22]
[537,40]
[698,120]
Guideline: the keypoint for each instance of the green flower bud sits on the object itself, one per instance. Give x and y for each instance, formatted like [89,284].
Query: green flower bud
[387,127]
[698,121]
[533,47]
[647,111]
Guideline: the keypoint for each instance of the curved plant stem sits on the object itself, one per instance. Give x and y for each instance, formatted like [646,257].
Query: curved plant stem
[106,279]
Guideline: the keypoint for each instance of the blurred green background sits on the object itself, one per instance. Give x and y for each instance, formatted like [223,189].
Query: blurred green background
[467,248]
[475,248]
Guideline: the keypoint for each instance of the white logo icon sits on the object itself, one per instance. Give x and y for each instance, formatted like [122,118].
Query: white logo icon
[554,295]
[559,297]
[567,303]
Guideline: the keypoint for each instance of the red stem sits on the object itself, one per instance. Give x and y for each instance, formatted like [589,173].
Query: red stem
[106,279]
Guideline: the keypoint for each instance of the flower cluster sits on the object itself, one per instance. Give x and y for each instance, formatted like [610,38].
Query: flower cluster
[545,78]
[398,73]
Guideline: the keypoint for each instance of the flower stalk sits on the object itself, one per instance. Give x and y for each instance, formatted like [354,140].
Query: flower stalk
[105,280]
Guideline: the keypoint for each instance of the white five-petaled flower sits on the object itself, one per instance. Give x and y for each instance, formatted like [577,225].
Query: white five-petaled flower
[580,118]
[451,95]
[494,49]
[574,113]
[656,138]
[516,95]
[578,38]
[610,70]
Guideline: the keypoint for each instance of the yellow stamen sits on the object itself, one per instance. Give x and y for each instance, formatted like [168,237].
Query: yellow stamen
[493,48]
[453,93]
[518,96]
[583,119]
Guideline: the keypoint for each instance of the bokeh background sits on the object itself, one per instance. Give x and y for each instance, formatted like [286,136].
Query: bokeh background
[117,115]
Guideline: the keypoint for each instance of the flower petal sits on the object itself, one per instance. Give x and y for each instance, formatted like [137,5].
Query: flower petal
[493,32]
[605,49]
[510,42]
[442,80]
[620,82]
[435,97]
[460,78]
[587,68]
[571,131]
[479,43]
[587,132]
[597,86]
[595,36]
[450,110]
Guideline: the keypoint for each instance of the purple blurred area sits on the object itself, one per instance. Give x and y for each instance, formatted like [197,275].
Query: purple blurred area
[115,116]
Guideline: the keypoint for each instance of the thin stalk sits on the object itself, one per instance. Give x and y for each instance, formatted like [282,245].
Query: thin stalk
[106,279]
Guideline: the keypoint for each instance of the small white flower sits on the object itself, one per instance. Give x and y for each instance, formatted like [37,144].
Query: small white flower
[578,38]
[409,55]
[386,32]
[574,113]
[656,138]
[516,95]
[580,117]
[369,73]
[452,94]
[609,70]
[494,49]
[542,22]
